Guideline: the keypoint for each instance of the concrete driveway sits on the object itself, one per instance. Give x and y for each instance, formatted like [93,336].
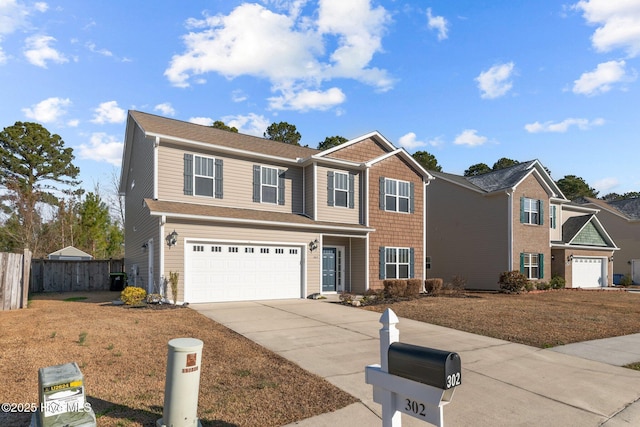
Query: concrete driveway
[503,384]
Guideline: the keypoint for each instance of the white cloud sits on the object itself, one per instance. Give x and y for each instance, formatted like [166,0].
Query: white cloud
[618,24]
[602,78]
[305,99]
[48,111]
[41,7]
[204,121]
[93,48]
[38,51]
[605,184]
[563,126]
[165,108]
[470,137]
[13,16]
[3,56]
[251,124]
[102,148]
[410,141]
[73,123]
[238,96]
[438,23]
[496,81]
[109,112]
[287,49]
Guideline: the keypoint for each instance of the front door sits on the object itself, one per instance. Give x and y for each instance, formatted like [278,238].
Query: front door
[332,279]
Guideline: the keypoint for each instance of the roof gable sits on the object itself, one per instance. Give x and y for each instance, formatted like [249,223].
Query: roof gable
[585,230]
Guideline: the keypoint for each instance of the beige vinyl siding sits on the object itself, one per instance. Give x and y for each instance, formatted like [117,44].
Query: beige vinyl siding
[237,181]
[204,231]
[467,235]
[358,261]
[309,180]
[555,234]
[337,213]
[625,235]
[139,225]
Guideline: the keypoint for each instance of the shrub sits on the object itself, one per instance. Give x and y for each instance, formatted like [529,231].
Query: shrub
[394,288]
[433,286]
[456,285]
[512,281]
[530,286]
[543,286]
[557,282]
[626,280]
[132,295]
[346,297]
[414,287]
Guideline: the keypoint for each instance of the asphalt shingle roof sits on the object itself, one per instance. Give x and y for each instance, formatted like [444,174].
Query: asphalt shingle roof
[629,207]
[502,178]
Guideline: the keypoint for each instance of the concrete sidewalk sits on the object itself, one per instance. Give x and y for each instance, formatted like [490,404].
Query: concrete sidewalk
[503,384]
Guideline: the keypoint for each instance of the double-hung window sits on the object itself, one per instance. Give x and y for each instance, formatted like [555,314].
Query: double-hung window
[203,176]
[397,263]
[397,195]
[269,185]
[531,265]
[340,189]
[531,211]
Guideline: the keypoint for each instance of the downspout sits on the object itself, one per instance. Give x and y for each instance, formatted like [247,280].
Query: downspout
[366,205]
[156,144]
[510,227]
[163,221]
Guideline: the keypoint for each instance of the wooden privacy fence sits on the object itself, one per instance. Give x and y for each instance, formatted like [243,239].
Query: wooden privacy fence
[49,275]
[14,280]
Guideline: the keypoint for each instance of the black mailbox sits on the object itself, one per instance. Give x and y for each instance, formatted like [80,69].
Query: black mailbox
[437,368]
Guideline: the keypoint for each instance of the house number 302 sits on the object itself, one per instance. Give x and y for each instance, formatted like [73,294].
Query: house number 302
[415,407]
[453,380]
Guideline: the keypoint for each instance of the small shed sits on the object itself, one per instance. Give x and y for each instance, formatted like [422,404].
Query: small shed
[70,254]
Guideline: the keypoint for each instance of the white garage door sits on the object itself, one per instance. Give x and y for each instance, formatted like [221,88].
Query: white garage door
[588,272]
[224,272]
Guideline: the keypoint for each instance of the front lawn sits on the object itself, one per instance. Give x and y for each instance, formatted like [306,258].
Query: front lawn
[545,319]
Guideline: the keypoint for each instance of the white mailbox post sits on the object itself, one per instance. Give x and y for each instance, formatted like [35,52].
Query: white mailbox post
[182,384]
[417,381]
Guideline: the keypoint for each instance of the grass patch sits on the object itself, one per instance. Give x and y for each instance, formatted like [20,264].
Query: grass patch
[635,366]
[71,299]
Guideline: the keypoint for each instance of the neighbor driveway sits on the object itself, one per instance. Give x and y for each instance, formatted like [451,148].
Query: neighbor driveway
[503,384]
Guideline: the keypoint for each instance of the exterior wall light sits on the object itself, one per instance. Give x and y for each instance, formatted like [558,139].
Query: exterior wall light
[313,245]
[570,258]
[172,239]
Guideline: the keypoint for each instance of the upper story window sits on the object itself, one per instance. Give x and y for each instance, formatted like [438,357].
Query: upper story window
[268,185]
[202,176]
[340,189]
[531,211]
[553,217]
[396,195]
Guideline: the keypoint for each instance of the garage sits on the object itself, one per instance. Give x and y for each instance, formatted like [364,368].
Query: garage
[235,272]
[588,272]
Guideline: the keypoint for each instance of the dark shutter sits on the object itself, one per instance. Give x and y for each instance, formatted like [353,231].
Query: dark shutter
[522,263]
[281,186]
[256,183]
[411,202]
[188,174]
[523,217]
[330,201]
[382,193]
[541,212]
[351,191]
[411,263]
[382,262]
[218,179]
[540,266]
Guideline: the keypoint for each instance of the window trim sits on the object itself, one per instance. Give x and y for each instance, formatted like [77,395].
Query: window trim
[530,206]
[410,262]
[397,197]
[345,190]
[258,185]
[527,265]
[198,160]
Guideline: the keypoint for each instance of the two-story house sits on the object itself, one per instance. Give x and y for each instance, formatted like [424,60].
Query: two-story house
[513,219]
[245,218]
[622,220]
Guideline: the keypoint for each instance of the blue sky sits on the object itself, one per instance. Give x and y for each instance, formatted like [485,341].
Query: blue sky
[468,81]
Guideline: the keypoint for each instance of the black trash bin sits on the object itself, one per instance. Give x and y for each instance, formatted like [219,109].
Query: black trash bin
[117,281]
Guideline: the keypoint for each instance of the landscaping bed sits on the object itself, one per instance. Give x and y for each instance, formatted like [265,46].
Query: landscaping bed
[122,353]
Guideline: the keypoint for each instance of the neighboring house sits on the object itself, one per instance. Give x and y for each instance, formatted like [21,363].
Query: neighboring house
[513,219]
[622,220]
[245,218]
[70,254]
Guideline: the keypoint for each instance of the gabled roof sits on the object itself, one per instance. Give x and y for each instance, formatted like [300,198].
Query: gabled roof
[70,251]
[505,179]
[627,208]
[586,230]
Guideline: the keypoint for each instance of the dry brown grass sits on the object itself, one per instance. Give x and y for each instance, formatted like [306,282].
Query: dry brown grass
[123,360]
[545,319]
